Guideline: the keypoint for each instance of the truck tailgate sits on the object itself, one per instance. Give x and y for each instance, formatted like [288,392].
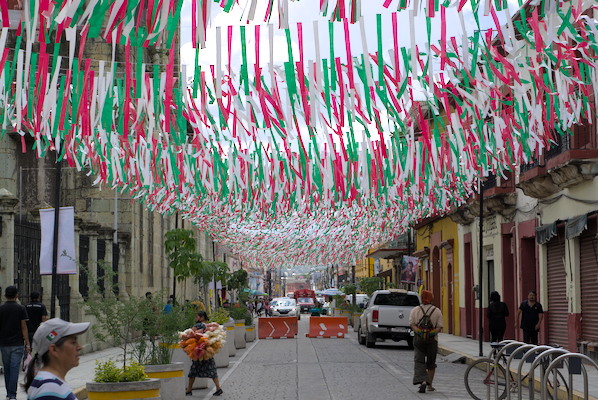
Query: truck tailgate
[393,316]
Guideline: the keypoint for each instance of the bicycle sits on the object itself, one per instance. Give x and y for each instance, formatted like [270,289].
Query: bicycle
[495,374]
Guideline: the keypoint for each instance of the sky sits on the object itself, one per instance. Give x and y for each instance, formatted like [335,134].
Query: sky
[306,12]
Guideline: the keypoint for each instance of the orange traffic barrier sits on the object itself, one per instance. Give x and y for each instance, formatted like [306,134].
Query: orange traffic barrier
[277,327]
[327,327]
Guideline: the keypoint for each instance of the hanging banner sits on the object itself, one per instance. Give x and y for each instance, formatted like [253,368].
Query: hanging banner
[409,269]
[66,263]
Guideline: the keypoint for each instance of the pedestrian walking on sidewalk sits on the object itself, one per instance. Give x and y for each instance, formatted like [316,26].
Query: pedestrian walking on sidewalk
[426,323]
[497,317]
[530,313]
[203,368]
[55,352]
[37,314]
[13,335]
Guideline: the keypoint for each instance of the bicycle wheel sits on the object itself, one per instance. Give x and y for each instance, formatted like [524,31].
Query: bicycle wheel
[562,385]
[480,379]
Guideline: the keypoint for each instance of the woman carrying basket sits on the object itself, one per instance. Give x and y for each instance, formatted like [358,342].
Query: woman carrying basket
[203,368]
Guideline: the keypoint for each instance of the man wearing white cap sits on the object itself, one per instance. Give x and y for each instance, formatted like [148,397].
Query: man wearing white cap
[56,350]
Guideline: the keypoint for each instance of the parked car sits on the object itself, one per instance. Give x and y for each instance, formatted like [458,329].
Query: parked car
[306,304]
[361,299]
[387,317]
[284,307]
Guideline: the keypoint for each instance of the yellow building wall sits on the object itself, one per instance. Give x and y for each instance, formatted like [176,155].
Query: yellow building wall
[364,267]
[448,230]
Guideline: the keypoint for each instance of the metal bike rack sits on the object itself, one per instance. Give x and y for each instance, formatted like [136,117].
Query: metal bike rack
[522,348]
[562,358]
[548,350]
[508,345]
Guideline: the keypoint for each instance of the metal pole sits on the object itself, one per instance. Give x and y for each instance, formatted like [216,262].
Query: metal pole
[20,194]
[481,271]
[353,282]
[176,226]
[55,243]
[215,289]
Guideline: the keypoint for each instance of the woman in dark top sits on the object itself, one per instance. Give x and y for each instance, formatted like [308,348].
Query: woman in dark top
[203,368]
[497,314]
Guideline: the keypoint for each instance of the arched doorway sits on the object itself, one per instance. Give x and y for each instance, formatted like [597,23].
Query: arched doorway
[451,301]
[436,277]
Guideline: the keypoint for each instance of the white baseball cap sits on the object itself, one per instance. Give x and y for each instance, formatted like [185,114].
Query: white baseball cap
[52,331]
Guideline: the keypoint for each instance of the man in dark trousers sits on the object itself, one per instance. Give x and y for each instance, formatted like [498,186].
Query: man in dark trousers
[37,314]
[13,334]
[530,313]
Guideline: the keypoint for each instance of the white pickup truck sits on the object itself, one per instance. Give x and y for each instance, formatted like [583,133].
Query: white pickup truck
[386,316]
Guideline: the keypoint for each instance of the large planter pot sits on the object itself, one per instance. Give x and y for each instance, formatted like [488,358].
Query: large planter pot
[179,355]
[250,333]
[221,358]
[240,334]
[148,389]
[356,322]
[230,338]
[172,377]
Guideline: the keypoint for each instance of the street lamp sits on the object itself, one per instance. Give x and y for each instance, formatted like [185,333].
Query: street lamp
[283,280]
[215,288]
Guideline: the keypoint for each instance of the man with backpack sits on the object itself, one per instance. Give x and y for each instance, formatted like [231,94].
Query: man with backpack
[426,322]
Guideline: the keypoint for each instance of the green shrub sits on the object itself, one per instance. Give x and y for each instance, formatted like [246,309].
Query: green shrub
[107,371]
[248,319]
[134,372]
[238,312]
[221,316]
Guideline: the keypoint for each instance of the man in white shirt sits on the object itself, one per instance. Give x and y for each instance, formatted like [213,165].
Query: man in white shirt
[426,322]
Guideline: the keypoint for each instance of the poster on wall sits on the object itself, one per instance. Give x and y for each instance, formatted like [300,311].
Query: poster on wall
[409,269]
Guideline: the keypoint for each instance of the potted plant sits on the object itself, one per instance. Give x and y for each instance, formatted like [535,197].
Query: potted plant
[238,313]
[221,317]
[119,383]
[156,346]
[116,323]
[250,332]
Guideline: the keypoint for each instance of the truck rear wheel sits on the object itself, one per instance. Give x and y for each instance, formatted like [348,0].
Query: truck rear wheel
[370,340]
[360,338]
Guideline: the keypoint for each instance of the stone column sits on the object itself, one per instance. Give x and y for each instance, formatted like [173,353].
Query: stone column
[107,235]
[124,240]
[91,230]
[8,201]
[76,298]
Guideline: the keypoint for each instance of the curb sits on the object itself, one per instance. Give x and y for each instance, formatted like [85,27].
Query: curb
[80,393]
[469,359]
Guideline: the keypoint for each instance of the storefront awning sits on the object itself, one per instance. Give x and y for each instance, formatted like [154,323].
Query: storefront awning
[387,253]
[545,232]
[575,226]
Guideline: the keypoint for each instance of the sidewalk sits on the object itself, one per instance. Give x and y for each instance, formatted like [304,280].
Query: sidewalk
[470,348]
[448,344]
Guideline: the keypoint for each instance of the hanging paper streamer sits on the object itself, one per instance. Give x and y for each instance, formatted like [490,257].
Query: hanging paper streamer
[309,162]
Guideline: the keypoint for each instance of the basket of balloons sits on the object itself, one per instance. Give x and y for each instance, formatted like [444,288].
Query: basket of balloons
[202,344]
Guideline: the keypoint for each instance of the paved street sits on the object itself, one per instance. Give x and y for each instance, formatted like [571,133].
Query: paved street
[324,369]
[304,368]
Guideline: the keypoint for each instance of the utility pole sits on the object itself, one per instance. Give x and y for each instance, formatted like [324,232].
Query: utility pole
[215,288]
[481,271]
[353,282]
[176,226]
[55,244]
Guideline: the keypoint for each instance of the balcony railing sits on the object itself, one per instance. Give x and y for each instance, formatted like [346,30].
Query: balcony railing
[492,181]
[558,146]
[489,182]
